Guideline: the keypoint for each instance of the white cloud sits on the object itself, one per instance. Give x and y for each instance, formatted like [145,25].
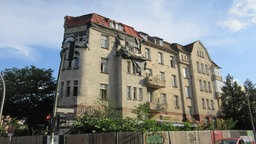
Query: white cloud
[241,15]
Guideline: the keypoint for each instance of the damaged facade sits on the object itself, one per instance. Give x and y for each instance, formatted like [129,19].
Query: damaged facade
[104,60]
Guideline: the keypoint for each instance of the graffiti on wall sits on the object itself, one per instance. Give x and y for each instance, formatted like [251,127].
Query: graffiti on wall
[154,138]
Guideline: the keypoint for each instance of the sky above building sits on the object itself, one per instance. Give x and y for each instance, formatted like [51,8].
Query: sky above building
[31,31]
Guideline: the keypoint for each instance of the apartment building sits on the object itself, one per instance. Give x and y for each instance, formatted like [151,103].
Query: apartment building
[105,60]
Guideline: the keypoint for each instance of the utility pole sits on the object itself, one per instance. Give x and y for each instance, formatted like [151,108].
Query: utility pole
[55,105]
[250,112]
[3,97]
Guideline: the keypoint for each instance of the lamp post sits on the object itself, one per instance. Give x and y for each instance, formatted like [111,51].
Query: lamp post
[250,112]
[3,97]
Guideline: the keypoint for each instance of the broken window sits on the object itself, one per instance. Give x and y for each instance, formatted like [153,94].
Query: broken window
[172,61]
[67,88]
[75,88]
[77,60]
[103,66]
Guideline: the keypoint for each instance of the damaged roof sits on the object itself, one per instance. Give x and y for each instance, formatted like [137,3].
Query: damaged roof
[71,21]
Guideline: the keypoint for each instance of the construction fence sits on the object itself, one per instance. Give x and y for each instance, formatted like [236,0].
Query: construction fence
[168,137]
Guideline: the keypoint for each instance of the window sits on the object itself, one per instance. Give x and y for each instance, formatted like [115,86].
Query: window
[134,93]
[209,87]
[172,61]
[61,88]
[119,27]
[104,41]
[174,81]
[128,92]
[201,85]
[198,67]
[176,101]
[150,96]
[206,70]
[103,91]
[187,91]
[208,104]
[75,88]
[129,67]
[67,88]
[159,41]
[69,64]
[140,94]
[202,68]
[203,103]
[103,66]
[160,58]
[134,69]
[190,110]
[77,60]
[163,99]
[64,61]
[205,86]
[147,54]
[185,72]
[162,76]
[149,72]
[212,104]
[112,25]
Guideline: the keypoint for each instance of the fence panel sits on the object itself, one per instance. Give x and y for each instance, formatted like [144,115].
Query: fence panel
[99,138]
[178,137]
[129,138]
[156,138]
[4,140]
[226,134]
[205,137]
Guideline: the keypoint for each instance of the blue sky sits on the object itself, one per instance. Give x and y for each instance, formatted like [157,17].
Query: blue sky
[31,31]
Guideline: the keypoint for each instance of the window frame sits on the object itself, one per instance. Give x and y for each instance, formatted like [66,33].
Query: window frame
[75,88]
[104,65]
[104,43]
[160,58]
[103,91]
[147,54]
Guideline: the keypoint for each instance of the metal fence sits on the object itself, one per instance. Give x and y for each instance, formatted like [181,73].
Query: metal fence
[168,137]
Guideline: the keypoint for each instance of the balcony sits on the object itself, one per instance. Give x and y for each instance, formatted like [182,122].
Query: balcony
[156,106]
[155,82]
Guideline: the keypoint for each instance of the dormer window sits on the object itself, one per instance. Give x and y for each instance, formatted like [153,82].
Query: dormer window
[144,36]
[117,26]
[112,24]
[159,41]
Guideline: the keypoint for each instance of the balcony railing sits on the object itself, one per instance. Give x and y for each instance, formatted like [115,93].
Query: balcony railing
[155,82]
[157,106]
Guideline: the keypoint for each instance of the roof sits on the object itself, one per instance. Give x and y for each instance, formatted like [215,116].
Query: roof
[71,21]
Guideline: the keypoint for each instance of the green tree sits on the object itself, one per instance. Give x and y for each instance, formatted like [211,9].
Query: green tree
[234,104]
[29,94]
[142,111]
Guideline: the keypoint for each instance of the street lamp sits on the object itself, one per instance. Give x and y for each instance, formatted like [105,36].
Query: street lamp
[3,97]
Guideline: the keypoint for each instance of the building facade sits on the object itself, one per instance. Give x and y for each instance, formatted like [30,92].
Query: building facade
[104,60]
